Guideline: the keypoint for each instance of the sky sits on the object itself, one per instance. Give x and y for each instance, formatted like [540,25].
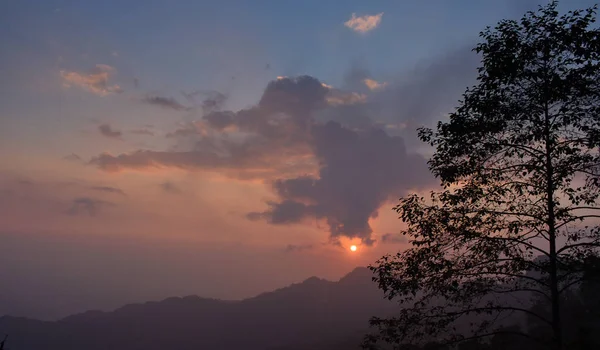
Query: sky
[151,149]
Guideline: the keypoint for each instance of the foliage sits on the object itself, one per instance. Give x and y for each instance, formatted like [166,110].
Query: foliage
[519,166]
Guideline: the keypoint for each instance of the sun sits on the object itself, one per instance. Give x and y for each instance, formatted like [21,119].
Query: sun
[353,248]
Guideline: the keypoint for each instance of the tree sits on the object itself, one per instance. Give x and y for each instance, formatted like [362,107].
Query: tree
[519,167]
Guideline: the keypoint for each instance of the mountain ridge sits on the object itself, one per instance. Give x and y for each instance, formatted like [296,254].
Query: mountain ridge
[312,312]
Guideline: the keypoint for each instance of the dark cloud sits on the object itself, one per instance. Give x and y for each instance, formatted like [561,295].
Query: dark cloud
[142,132]
[165,102]
[294,248]
[319,170]
[106,130]
[296,97]
[213,101]
[359,172]
[394,238]
[208,101]
[170,187]
[220,120]
[87,206]
[108,189]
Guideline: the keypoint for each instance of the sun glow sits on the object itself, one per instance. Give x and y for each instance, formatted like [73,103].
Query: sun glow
[353,248]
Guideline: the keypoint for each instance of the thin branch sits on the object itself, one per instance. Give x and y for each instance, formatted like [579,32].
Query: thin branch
[522,290]
[582,244]
[478,310]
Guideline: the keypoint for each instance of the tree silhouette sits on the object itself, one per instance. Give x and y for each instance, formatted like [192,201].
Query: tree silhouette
[519,166]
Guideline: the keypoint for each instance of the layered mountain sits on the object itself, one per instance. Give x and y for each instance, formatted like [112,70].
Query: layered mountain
[315,314]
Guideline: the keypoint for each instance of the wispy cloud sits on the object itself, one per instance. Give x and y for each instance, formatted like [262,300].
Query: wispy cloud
[95,80]
[295,248]
[164,102]
[87,205]
[106,130]
[109,189]
[142,132]
[363,24]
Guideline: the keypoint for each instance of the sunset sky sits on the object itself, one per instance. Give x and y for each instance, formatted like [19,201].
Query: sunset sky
[220,148]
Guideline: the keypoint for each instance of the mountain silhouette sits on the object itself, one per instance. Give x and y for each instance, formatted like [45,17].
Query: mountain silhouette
[314,314]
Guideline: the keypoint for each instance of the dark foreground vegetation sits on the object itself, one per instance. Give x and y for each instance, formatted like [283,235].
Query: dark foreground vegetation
[504,255]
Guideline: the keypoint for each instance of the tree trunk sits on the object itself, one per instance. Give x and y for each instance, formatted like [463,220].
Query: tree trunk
[554,292]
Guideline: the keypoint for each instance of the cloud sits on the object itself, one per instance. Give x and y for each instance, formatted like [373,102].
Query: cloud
[268,140]
[338,97]
[95,80]
[211,101]
[108,189]
[417,97]
[164,102]
[142,132]
[318,169]
[360,171]
[294,248]
[363,24]
[189,129]
[87,205]
[106,130]
[374,84]
[170,187]
[73,158]
[394,238]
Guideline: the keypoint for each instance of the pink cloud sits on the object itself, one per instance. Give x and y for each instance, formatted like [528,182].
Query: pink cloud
[363,24]
[95,80]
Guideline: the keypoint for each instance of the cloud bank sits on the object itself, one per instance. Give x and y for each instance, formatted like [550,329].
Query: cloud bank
[318,169]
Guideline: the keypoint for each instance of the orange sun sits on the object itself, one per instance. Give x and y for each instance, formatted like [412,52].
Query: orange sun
[353,248]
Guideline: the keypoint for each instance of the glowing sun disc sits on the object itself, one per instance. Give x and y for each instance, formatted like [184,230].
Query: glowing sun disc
[353,248]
